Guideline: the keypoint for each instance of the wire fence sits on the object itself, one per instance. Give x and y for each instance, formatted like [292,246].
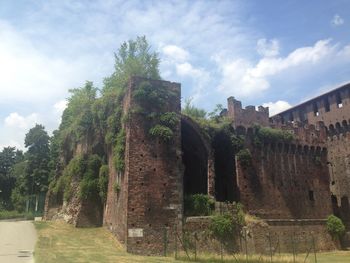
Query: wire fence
[195,245]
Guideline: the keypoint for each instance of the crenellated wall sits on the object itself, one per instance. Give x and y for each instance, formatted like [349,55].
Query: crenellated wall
[248,116]
[285,180]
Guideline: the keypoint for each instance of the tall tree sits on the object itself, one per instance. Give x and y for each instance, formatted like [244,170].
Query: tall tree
[134,58]
[9,156]
[38,157]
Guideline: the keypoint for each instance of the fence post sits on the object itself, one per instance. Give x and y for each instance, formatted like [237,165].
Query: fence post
[269,237]
[246,246]
[313,243]
[195,246]
[175,241]
[221,252]
[293,248]
[165,239]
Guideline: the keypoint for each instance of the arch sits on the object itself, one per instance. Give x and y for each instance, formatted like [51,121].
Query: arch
[225,167]
[195,153]
[345,125]
[306,149]
[331,130]
[338,127]
[335,206]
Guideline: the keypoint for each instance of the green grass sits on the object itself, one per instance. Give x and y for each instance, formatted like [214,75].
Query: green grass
[4,214]
[59,242]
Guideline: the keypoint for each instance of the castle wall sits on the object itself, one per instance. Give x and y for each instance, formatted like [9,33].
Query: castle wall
[248,116]
[285,181]
[330,108]
[153,169]
[339,169]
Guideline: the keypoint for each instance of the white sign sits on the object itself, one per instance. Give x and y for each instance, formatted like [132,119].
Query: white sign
[135,232]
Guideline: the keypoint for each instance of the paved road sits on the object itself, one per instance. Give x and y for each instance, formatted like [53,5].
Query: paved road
[17,241]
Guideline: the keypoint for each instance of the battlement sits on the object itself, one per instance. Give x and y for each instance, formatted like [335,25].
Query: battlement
[248,116]
[304,133]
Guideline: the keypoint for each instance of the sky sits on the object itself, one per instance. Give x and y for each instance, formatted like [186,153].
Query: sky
[272,53]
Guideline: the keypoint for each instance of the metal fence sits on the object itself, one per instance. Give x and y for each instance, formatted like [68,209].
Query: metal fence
[192,246]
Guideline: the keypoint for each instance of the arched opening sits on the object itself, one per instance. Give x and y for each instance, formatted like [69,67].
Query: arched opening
[225,167]
[338,127]
[345,208]
[335,206]
[331,130]
[345,125]
[194,159]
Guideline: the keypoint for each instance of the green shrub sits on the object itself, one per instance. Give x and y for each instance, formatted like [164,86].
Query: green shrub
[119,150]
[116,187]
[244,157]
[267,134]
[222,226]
[5,214]
[198,205]
[169,119]
[227,225]
[103,182]
[162,132]
[335,226]
[88,187]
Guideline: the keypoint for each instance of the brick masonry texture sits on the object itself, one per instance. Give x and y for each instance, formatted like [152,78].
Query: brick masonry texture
[292,185]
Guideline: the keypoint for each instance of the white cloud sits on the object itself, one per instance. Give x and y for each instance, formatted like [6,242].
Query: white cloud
[15,120]
[277,107]
[60,106]
[337,20]
[186,69]
[200,78]
[267,48]
[30,75]
[175,53]
[242,78]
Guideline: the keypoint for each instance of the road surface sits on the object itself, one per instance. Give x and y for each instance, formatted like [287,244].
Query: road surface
[17,241]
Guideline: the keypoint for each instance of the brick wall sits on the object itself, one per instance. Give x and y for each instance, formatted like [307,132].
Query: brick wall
[285,181]
[153,171]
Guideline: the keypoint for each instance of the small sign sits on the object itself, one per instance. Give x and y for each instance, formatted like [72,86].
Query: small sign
[135,232]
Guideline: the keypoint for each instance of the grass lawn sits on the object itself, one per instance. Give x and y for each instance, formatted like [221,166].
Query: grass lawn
[59,242]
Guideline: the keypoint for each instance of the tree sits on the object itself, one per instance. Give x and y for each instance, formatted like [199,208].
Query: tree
[192,111]
[38,156]
[133,59]
[9,156]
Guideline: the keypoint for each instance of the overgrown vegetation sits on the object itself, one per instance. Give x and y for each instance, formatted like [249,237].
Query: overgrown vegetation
[95,118]
[268,135]
[244,157]
[227,225]
[335,226]
[152,101]
[198,205]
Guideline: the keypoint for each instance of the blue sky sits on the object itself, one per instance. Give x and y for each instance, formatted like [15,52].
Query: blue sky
[275,53]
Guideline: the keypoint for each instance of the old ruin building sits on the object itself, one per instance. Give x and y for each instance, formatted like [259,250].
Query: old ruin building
[292,183]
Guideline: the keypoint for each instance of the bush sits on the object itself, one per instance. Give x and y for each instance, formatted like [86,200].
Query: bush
[119,150]
[244,157]
[103,182]
[335,226]
[116,187]
[88,187]
[5,214]
[227,225]
[161,131]
[267,134]
[198,205]
[222,226]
